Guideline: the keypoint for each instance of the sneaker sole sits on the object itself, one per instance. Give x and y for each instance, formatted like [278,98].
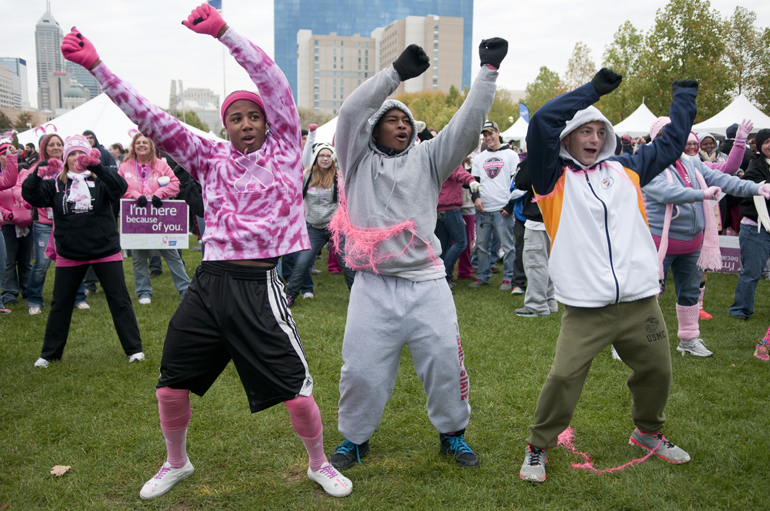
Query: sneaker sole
[685,351]
[167,489]
[631,441]
[460,462]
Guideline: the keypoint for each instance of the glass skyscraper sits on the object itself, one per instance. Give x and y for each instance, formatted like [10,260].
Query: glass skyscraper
[345,18]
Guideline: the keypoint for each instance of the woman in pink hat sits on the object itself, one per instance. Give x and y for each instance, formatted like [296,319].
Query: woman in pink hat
[235,308]
[86,235]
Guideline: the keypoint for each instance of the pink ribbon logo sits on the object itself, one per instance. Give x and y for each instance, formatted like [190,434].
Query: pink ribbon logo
[252,172]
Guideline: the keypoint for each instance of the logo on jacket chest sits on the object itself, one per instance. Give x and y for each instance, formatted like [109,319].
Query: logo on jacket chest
[493,166]
[607,182]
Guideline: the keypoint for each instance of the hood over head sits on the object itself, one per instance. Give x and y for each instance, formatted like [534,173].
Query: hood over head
[96,140]
[585,116]
[703,135]
[388,105]
[317,148]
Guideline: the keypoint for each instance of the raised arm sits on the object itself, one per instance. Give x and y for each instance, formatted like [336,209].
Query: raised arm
[738,152]
[547,124]
[461,135]
[307,151]
[650,160]
[11,172]
[352,131]
[166,131]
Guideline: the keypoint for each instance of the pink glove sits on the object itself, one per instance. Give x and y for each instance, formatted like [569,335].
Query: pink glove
[764,191]
[7,215]
[205,20]
[312,127]
[84,161]
[54,167]
[76,48]
[711,193]
[744,129]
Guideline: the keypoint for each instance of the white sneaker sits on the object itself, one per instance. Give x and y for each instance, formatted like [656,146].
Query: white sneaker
[693,347]
[91,292]
[34,311]
[333,483]
[615,355]
[83,306]
[41,362]
[145,300]
[136,356]
[308,295]
[165,479]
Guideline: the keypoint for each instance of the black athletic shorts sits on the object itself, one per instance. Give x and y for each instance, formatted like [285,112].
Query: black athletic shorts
[240,313]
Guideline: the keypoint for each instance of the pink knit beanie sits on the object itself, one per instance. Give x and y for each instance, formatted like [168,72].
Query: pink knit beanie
[76,143]
[657,126]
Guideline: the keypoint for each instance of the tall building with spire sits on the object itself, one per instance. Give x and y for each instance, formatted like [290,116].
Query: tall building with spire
[48,39]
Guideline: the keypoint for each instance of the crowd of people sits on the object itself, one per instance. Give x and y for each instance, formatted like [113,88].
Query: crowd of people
[583,218]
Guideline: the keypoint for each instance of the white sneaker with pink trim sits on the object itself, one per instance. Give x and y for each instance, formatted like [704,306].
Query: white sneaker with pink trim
[333,483]
[165,479]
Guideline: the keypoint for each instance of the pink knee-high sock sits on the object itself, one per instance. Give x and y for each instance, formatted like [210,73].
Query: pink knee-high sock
[174,409]
[688,321]
[306,421]
[700,298]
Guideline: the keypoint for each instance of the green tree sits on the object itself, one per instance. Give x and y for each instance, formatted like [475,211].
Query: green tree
[504,110]
[434,108]
[742,47]
[623,56]
[545,87]
[23,121]
[193,120]
[308,116]
[687,41]
[5,122]
[762,94]
[580,68]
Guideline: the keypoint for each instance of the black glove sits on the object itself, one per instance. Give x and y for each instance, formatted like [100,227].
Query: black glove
[425,135]
[493,51]
[156,201]
[41,164]
[684,84]
[606,81]
[182,175]
[412,62]
[142,201]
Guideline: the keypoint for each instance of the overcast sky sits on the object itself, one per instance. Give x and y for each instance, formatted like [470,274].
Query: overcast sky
[144,42]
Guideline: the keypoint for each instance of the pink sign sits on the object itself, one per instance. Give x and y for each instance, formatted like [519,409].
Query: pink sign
[731,254]
[149,227]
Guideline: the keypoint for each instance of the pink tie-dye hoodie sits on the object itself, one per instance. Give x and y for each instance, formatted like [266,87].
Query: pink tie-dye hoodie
[244,220]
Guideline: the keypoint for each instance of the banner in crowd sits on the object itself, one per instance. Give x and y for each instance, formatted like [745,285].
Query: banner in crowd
[731,253]
[154,228]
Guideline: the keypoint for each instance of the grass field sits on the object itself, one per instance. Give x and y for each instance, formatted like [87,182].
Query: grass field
[96,413]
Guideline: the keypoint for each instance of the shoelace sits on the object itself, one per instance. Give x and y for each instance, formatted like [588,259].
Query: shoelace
[163,471]
[347,446]
[663,441]
[457,443]
[535,457]
[329,471]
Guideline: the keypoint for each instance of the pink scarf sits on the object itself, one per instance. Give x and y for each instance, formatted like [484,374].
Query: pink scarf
[710,256]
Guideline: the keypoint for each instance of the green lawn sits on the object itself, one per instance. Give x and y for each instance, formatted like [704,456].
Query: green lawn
[98,414]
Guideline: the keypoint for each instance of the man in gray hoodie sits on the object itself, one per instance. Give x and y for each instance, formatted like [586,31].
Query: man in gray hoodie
[387,215]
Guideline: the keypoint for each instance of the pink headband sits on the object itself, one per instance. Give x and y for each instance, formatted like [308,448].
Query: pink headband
[239,95]
[4,148]
[657,126]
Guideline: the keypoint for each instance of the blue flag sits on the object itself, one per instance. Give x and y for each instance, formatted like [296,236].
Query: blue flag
[524,111]
[216,4]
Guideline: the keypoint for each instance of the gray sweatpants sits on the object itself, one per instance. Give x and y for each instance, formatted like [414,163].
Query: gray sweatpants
[539,296]
[384,314]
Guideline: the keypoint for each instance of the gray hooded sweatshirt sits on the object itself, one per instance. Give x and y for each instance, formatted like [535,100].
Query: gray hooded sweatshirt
[385,191]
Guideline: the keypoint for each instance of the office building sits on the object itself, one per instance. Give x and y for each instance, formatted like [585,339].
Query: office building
[6,88]
[48,39]
[20,86]
[84,78]
[204,102]
[346,18]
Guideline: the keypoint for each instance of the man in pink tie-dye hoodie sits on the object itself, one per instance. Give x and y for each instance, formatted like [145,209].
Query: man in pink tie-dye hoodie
[235,307]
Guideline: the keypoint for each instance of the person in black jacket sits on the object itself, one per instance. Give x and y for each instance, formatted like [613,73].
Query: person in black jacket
[86,236]
[754,239]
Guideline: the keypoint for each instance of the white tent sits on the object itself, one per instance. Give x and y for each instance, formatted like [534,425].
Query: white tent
[637,124]
[741,108]
[516,132]
[325,133]
[101,116]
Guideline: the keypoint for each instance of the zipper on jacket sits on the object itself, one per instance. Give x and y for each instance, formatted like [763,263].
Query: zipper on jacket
[607,233]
